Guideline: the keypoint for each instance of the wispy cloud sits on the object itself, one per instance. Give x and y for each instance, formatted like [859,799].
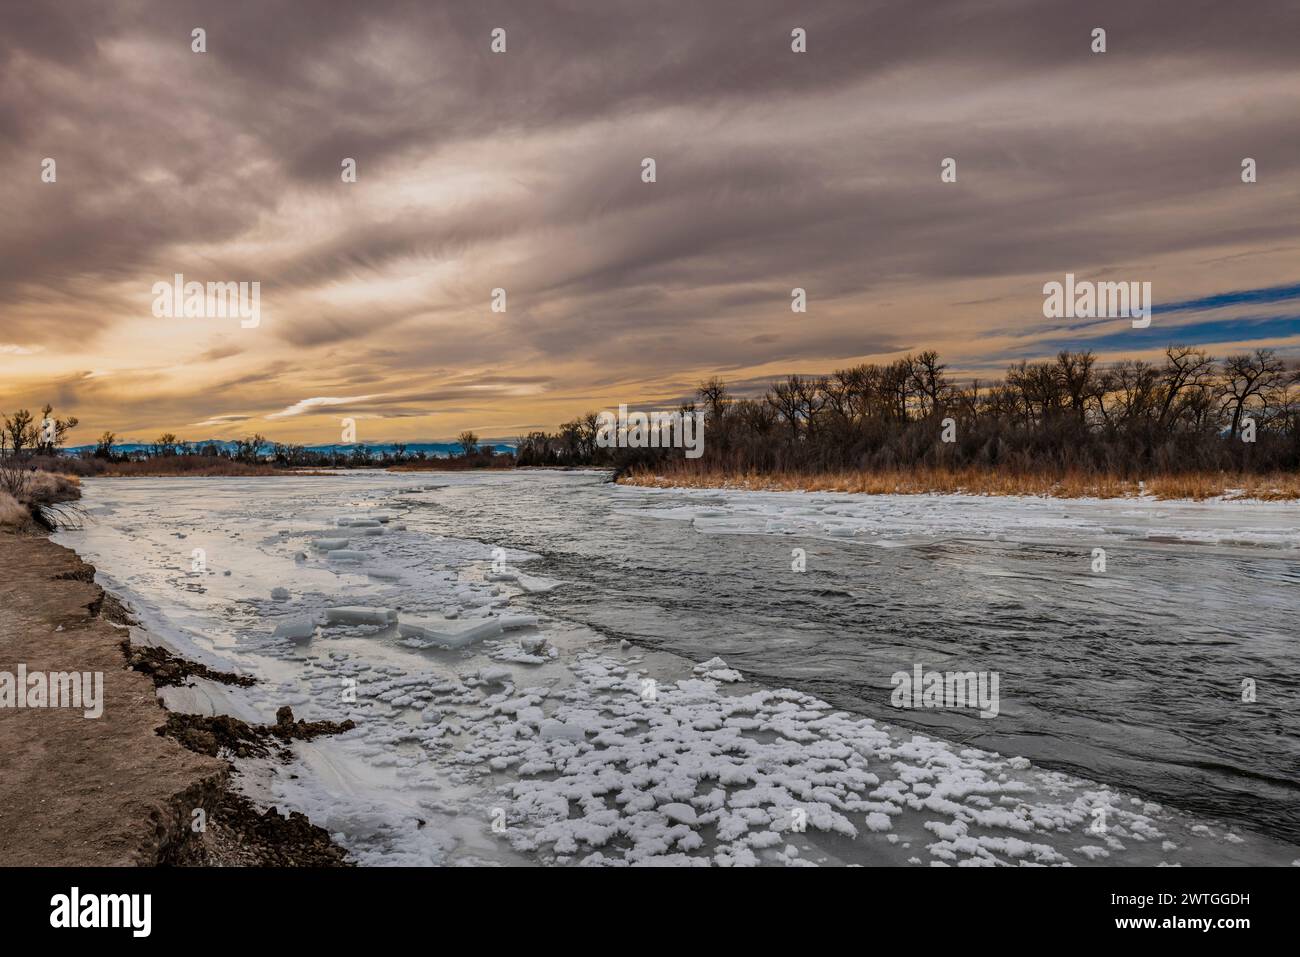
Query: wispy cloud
[319,402]
[221,420]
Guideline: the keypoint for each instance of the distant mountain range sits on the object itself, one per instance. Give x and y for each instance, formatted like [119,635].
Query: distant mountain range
[440,450]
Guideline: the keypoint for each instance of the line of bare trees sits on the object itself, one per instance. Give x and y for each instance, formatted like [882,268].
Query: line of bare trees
[1188,412]
[27,441]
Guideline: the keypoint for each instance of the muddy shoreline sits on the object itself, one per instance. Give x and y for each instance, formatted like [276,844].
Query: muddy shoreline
[139,785]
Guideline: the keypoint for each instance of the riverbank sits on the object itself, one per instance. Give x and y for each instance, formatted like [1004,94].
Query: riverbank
[1195,486]
[112,790]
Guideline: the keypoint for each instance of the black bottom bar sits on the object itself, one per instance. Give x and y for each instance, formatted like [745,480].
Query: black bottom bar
[334,906]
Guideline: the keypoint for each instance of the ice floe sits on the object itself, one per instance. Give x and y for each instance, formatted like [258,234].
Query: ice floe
[360,615]
[451,634]
[301,628]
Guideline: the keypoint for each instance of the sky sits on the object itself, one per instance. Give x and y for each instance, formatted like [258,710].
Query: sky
[523,170]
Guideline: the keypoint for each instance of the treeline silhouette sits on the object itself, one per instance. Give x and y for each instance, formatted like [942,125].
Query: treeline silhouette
[38,443]
[1186,413]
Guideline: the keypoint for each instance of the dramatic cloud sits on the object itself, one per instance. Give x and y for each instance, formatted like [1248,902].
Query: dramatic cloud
[522,171]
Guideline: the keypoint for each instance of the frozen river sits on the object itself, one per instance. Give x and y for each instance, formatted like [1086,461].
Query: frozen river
[557,741]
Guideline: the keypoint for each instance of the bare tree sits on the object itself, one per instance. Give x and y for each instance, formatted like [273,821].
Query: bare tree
[1185,370]
[50,432]
[926,380]
[249,449]
[1247,377]
[784,399]
[1075,370]
[22,434]
[713,393]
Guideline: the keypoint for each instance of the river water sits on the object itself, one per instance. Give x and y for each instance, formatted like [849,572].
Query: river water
[1131,676]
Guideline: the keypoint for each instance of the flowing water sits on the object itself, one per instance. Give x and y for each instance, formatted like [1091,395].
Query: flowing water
[1132,676]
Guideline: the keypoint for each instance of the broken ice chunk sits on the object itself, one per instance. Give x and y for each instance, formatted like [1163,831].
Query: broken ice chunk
[716,669]
[727,675]
[529,583]
[345,555]
[709,665]
[446,634]
[360,615]
[299,629]
[534,644]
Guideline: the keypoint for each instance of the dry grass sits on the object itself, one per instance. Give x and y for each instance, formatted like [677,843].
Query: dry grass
[196,465]
[453,465]
[51,488]
[1274,487]
[34,498]
[30,486]
[972,481]
[11,513]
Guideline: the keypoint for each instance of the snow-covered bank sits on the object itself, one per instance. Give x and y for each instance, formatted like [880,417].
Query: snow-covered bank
[546,741]
[884,520]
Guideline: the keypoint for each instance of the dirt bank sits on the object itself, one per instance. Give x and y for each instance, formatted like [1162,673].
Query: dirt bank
[113,790]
